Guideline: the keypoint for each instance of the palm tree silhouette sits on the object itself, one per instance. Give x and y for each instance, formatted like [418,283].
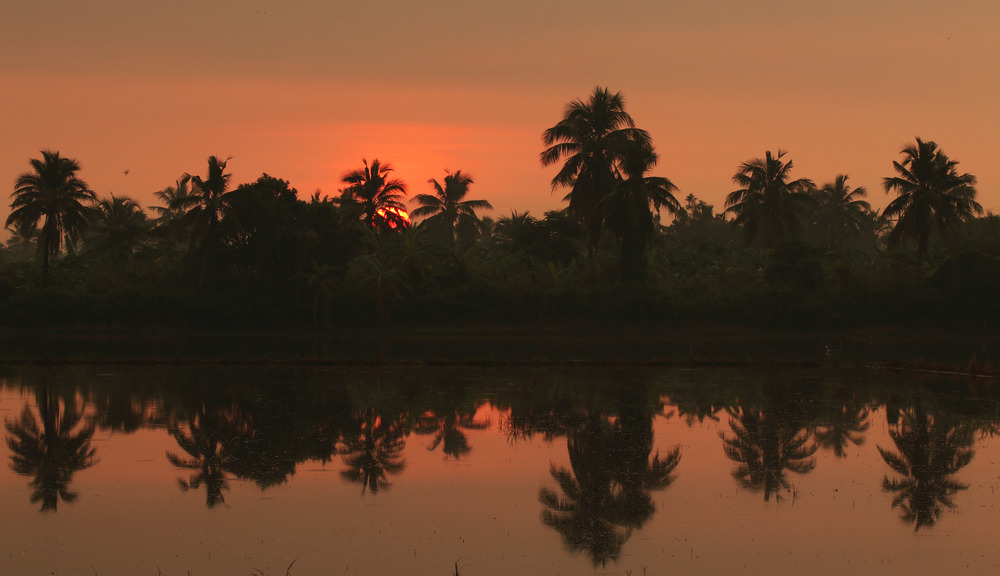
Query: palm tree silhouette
[374,451]
[930,451]
[842,213]
[51,192]
[50,446]
[119,227]
[931,196]
[447,208]
[630,206]
[593,138]
[767,205]
[172,199]
[208,202]
[764,447]
[378,197]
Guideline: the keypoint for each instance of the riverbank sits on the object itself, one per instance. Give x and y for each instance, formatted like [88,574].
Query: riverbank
[583,345]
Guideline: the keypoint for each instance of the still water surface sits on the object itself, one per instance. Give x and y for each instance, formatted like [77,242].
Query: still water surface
[221,470]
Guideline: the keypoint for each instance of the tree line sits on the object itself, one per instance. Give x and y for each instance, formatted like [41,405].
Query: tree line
[783,250]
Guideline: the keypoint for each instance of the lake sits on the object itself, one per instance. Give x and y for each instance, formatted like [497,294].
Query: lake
[216,470]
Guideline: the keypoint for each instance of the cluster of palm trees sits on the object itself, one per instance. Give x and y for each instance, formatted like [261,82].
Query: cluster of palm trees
[611,231]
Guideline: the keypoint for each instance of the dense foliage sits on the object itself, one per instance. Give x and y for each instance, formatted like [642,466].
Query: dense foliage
[794,252]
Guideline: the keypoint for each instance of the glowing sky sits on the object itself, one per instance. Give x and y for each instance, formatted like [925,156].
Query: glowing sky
[304,89]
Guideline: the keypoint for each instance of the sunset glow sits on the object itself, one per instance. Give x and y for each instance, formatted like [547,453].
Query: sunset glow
[280,88]
[394,217]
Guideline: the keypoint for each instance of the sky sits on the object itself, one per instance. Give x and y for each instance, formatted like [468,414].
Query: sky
[140,93]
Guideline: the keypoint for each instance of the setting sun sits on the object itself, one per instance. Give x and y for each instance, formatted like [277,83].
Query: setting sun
[393,217]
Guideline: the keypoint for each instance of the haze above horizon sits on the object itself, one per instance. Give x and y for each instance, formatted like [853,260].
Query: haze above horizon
[140,93]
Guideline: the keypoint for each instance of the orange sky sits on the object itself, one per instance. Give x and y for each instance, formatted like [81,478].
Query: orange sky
[303,89]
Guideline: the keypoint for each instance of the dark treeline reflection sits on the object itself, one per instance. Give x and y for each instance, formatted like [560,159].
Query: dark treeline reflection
[261,424]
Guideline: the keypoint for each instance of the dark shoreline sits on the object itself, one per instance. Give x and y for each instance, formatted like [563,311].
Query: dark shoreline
[964,352]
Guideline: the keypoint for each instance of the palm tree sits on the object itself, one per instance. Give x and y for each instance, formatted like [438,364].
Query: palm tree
[378,197]
[50,447]
[447,207]
[629,210]
[51,191]
[842,214]
[119,227]
[205,207]
[169,221]
[767,205]
[513,229]
[593,139]
[171,197]
[931,196]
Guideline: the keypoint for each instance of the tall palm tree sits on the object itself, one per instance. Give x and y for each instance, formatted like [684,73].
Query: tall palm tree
[52,191]
[447,207]
[931,196]
[592,139]
[377,196]
[629,210]
[768,206]
[842,213]
[205,206]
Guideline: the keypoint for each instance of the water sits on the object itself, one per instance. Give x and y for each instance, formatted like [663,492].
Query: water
[249,470]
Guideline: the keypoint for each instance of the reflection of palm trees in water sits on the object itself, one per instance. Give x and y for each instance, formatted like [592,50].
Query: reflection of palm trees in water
[374,450]
[605,493]
[930,451]
[50,446]
[846,424]
[204,438]
[448,429]
[764,447]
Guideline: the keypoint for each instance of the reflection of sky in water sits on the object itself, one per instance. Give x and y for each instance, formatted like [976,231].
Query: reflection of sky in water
[483,511]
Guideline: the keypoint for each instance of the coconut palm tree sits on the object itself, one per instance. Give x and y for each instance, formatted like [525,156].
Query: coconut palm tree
[629,210]
[377,196]
[171,197]
[447,208]
[931,196]
[768,206]
[842,213]
[205,207]
[592,139]
[118,227]
[51,192]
